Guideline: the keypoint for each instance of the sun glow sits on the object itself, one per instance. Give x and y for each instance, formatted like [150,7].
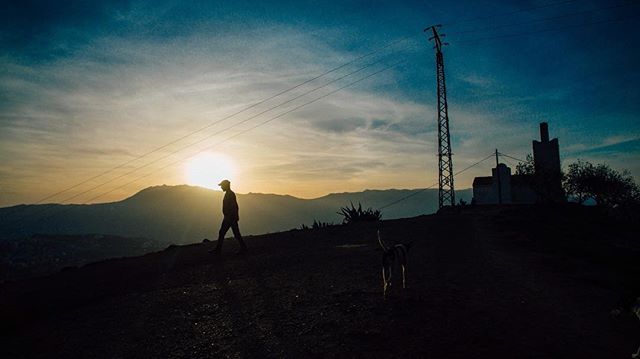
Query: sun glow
[208,169]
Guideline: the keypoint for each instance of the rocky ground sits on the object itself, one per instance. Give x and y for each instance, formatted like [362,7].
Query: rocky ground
[516,282]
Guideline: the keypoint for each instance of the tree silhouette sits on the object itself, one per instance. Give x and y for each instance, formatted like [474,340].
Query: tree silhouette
[599,182]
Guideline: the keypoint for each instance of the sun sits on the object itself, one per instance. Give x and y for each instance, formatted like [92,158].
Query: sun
[208,169]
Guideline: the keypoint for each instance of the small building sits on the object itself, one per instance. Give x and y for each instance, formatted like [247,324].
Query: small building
[544,185]
[495,188]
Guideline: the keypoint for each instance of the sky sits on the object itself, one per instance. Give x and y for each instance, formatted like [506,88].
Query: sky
[101,99]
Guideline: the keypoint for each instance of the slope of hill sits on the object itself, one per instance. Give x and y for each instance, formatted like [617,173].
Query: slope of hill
[186,214]
[511,282]
[45,254]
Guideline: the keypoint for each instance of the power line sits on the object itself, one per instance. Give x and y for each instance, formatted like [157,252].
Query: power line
[433,185]
[229,138]
[539,20]
[477,40]
[225,129]
[509,162]
[510,13]
[254,127]
[219,132]
[191,145]
[513,158]
[223,119]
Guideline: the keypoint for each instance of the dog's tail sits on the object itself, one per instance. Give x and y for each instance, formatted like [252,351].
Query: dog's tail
[384,247]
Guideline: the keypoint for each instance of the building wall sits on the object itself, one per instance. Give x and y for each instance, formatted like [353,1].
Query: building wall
[482,194]
[488,193]
[522,193]
[546,156]
[503,186]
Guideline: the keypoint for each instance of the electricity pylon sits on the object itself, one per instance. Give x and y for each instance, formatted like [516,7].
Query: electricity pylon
[446,193]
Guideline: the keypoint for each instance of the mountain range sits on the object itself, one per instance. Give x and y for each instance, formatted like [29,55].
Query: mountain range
[187,214]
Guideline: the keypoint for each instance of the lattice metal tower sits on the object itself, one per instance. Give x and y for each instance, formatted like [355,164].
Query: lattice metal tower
[446,193]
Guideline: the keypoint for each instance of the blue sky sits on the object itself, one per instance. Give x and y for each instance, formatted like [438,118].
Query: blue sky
[86,86]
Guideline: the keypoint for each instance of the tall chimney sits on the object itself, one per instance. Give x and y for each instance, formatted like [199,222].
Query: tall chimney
[544,132]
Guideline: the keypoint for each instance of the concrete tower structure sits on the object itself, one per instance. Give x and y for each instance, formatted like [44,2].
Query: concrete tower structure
[546,162]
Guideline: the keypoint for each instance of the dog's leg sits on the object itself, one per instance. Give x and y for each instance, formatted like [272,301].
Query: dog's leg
[386,279]
[384,283]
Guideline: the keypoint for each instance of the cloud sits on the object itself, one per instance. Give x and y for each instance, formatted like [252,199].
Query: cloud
[631,146]
[121,98]
[340,125]
[477,80]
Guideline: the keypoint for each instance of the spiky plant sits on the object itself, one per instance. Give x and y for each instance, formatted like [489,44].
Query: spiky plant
[316,225]
[319,224]
[353,214]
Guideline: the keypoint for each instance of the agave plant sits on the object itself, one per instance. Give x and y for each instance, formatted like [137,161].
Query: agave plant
[353,214]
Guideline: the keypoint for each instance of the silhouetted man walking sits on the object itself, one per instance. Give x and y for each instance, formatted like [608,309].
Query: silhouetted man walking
[231,218]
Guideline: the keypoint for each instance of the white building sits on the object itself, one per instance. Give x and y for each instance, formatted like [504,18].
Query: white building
[545,185]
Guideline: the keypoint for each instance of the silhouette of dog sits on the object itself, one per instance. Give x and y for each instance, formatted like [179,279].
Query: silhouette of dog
[393,256]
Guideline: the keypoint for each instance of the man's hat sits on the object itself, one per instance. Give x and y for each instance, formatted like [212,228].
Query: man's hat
[224,182]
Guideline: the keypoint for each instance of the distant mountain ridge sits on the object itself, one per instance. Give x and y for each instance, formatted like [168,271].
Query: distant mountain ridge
[187,214]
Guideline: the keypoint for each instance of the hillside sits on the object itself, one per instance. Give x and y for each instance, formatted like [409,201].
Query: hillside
[43,254]
[511,282]
[186,214]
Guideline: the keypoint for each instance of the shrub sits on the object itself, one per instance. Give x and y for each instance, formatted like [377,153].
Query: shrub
[353,214]
[608,187]
[316,225]
[525,168]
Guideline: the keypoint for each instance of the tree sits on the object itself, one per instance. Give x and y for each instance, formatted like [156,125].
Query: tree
[606,186]
[525,168]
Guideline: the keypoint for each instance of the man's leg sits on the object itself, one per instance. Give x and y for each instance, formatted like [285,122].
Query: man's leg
[224,227]
[238,236]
